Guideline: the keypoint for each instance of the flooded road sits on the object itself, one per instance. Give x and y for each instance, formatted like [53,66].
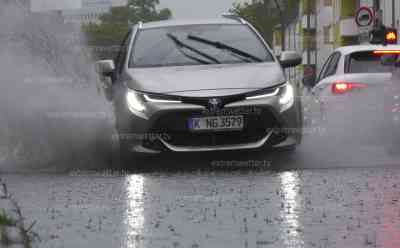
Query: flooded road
[337,196]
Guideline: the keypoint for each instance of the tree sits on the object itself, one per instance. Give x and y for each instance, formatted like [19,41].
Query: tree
[255,13]
[115,24]
[266,14]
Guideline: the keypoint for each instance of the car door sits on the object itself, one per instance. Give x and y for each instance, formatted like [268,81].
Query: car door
[327,75]
[317,101]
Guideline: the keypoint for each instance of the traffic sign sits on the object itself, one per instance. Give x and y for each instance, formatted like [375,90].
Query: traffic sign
[364,17]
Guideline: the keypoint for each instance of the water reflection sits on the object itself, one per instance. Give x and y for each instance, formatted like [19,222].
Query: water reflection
[391,215]
[291,232]
[134,215]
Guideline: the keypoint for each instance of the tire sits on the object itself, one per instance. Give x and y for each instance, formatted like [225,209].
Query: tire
[122,154]
[123,157]
[287,149]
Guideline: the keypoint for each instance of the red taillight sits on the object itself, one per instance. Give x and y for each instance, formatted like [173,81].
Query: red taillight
[344,87]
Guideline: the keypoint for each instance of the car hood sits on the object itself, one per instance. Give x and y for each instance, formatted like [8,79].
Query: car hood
[206,80]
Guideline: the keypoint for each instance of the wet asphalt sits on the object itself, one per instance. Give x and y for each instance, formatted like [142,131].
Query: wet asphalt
[326,194]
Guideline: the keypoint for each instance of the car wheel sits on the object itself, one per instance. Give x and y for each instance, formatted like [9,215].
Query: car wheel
[123,157]
[287,149]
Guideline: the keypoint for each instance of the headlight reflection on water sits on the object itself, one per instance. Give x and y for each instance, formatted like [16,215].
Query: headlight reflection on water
[291,226]
[134,215]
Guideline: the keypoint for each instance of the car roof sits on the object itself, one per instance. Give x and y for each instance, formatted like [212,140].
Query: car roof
[346,50]
[182,22]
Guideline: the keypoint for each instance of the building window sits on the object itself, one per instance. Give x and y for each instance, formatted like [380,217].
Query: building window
[327,2]
[328,34]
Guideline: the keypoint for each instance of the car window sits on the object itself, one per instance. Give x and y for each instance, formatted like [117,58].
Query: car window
[365,62]
[198,44]
[332,66]
[324,68]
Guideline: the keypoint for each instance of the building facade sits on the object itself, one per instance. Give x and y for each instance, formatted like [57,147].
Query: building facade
[336,26]
[85,15]
[390,12]
[77,11]
[300,36]
[324,25]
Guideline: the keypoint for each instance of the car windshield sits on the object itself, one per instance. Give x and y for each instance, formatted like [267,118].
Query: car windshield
[197,44]
[365,62]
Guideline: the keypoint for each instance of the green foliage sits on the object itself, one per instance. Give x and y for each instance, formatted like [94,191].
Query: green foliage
[265,15]
[105,34]
[5,220]
[115,24]
[259,16]
[290,8]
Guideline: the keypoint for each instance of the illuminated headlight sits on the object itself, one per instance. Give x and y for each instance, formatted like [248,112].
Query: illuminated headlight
[135,102]
[286,98]
[287,95]
[264,95]
[154,99]
[284,92]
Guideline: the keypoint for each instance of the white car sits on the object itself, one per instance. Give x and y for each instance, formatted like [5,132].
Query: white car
[349,92]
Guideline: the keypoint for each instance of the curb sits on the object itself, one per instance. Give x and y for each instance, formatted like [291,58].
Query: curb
[13,233]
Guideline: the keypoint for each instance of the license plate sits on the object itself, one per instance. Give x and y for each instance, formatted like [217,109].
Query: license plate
[216,123]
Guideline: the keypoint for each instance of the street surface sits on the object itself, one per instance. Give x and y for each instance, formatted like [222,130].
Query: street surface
[325,195]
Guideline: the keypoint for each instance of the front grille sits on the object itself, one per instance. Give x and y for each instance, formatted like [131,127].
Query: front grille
[204,101]
[174,125]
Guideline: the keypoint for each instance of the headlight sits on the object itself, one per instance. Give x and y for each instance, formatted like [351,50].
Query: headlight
[287,95]
[286,98]
[158,99]
[135,102]
[268,93]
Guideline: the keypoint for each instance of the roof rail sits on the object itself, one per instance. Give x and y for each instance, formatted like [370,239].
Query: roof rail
[234,17]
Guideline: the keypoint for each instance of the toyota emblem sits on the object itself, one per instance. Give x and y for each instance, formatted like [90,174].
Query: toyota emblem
[214,104]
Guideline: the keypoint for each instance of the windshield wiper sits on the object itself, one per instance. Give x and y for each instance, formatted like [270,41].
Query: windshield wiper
[181,44]
[221,45]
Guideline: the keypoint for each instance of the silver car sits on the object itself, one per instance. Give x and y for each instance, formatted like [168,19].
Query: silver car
[199,86]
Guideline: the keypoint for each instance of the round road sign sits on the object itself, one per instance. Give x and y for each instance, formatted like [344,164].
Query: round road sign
[364,17]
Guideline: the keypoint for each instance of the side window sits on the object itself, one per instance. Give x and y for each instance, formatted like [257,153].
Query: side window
[333,65]
[324,68]
[122,54]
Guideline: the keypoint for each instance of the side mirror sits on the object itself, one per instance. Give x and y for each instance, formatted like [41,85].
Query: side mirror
[105,67]
[290,59]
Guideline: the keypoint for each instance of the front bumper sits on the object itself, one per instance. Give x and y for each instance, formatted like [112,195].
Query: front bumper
[165,129]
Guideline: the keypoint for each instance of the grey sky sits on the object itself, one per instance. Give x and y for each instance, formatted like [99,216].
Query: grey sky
[41,5]
[182,9]
[186,9]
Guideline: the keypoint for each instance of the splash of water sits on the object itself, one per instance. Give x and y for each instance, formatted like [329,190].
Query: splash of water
[52,111]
